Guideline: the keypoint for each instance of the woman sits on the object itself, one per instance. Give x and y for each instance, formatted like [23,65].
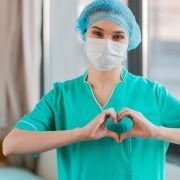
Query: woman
[108,123]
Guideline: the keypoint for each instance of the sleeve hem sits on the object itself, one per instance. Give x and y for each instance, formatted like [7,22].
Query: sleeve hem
[24,125]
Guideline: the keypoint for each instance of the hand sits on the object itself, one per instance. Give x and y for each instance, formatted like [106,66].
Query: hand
[141,126]
[97,129]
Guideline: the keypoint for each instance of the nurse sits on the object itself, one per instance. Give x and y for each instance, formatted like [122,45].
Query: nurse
[107,124]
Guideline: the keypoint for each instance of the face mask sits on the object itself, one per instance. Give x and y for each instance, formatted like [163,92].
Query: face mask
[105,54]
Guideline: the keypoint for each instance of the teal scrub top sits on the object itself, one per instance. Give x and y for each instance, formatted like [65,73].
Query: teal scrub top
[72,104]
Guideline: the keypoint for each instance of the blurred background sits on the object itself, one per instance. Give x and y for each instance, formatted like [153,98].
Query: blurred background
[39,45]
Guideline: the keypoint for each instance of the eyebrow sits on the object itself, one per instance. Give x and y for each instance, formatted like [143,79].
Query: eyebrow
[95,27]
[115,32]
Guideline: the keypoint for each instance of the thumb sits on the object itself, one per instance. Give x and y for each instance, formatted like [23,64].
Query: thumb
[124,136]
[113,135]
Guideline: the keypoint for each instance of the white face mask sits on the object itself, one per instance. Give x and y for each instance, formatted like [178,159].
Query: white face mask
[105,54]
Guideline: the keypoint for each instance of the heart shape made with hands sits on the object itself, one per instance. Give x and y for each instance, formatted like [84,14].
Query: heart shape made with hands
[125,124]
[122,126]
[110,124]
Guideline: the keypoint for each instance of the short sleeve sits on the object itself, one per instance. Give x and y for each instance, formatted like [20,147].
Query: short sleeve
[41,118]
[169,108]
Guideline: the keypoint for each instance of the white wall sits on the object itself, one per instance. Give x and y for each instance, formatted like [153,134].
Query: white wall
[66,57]
[172,172]
[47,165]
[65,62]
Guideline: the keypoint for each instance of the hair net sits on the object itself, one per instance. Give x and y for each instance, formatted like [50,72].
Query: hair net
[113,10]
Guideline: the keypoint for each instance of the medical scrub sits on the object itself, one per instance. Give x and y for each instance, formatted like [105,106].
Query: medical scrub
[72,104]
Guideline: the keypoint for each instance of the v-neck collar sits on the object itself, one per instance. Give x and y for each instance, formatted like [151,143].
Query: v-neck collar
[123,75]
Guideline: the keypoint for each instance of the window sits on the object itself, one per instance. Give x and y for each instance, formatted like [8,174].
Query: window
[164,50]
[164,43]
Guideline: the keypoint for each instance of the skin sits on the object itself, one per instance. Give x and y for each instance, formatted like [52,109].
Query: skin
[23,142]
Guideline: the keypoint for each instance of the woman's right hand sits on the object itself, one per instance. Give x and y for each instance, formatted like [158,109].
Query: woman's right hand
[97,129]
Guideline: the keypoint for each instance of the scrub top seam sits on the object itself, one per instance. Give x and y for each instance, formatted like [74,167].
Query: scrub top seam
[34,127]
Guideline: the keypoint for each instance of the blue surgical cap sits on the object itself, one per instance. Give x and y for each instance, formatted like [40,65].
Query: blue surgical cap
[113,10]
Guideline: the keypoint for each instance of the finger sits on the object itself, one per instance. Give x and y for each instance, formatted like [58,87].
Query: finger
[120,114]
[124,136]
[113,135]
[111,112]
[103,117]
[124,113]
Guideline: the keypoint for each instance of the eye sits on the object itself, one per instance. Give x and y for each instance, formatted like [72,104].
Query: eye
[118,37]
[97,34]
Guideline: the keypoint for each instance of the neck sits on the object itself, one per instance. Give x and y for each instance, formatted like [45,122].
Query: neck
[104,78]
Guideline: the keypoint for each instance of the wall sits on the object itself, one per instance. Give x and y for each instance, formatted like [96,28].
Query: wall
[66,61]
[66,57]
[47,165]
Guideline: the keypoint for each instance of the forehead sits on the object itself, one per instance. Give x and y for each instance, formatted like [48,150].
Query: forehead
[107,26]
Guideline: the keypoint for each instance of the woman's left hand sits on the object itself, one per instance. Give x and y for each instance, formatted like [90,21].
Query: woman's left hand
[141,126]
